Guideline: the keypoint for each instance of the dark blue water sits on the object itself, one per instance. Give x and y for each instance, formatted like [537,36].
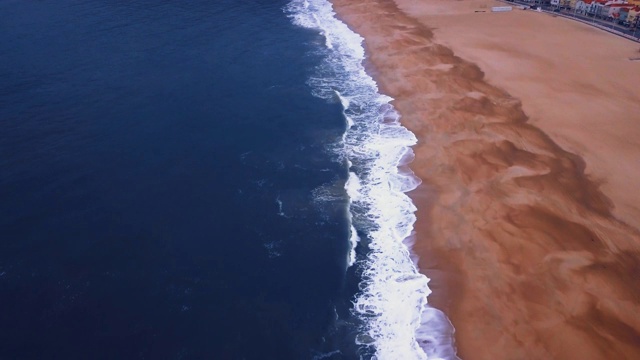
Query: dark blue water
[160,170]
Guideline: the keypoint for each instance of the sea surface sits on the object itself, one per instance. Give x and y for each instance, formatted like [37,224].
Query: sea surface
[201,180]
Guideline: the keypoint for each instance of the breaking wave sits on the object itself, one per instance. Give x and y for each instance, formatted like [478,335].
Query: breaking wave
[392,303]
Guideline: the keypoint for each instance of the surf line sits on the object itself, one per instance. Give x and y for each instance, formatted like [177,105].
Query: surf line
[392,303]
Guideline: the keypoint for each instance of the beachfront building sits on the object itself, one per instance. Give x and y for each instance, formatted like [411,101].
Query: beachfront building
[617,11]
[565,4]
[596,8]
[573,4]
[602,8]
[584,6]
[633,14]
[623,14]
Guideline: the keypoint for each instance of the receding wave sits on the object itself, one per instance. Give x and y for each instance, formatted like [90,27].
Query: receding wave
[392,303]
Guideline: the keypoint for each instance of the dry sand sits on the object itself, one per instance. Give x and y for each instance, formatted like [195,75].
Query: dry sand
[529,212]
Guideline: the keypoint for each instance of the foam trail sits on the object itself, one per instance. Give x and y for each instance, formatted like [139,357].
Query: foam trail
[398,322]
[353,190]
[354,240]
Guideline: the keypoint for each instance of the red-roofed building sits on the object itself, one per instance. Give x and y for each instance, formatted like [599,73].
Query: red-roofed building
[597,8]
[585,6]
[634,13]
[617,11]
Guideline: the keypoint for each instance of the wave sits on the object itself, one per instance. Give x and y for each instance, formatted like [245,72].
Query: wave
[392,303]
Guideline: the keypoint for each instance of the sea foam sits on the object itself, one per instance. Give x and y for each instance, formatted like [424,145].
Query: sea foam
[392,303]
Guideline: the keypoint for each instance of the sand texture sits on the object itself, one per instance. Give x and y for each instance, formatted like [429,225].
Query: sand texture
[528,212]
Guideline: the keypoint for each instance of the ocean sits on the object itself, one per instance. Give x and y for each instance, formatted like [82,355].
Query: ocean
[201,180]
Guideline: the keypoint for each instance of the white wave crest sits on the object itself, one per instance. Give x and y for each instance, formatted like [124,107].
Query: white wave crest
[393,299]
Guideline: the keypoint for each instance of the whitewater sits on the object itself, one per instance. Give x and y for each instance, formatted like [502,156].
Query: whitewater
[392,304]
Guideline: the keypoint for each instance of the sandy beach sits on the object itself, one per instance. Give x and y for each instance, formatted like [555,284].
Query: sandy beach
[529,148]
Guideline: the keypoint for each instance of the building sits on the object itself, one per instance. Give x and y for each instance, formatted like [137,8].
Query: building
[633,15]
[624,14]
[565,4]
[617,11]
[598,8]
[585,6]
[574,3]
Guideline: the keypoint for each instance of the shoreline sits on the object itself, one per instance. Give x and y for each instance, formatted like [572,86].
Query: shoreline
[392,300]
[531,253]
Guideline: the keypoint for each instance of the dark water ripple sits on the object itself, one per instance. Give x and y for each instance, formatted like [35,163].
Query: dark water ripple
[144,146]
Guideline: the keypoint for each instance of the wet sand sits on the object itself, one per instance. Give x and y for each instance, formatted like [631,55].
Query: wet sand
[528,214]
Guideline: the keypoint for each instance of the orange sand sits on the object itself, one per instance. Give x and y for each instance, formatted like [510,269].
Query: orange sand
[529,212]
